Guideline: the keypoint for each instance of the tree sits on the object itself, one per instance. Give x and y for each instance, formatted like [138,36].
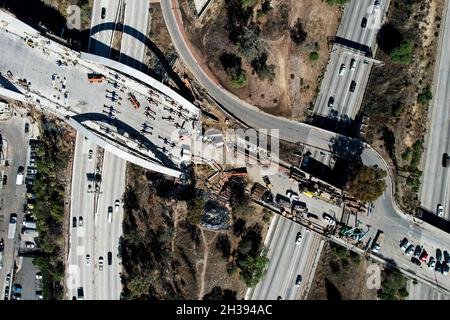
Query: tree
[232,65]
[366,183]
[196,210]
[262,69]
[298,34]
[250,45]
[313,56]
[393,286]
[402,54]
[245,4]
[253,268]
[424,97]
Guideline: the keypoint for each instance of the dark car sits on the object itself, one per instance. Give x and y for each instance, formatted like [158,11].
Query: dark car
[445,159]
[330,102]
[415,261]
[103,13]
[27,127]
[364,22]
[20,170]
[5,179]
[438,255]
[298,281]
[417,251]
[444,268]
[404,243]
[446,256]
[109,258]
[410,249]
[353,86]
[438,267]
[74,222]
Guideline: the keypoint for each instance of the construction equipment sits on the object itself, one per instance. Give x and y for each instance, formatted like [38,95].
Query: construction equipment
[95,77]
[133,100]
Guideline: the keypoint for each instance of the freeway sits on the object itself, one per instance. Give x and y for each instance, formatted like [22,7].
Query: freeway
[287,260]
[107,281]
[136,16]
[435,182]
[82,206]
[337,81]
[420,291]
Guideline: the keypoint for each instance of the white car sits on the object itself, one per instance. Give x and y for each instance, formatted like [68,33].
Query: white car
[90,153]
[292,195]
[88,259]
[342,70]
[298,239]
[377,5]
[440,210]
[352,65]
[38,276]
[329,219]
[29,245]
[117,205]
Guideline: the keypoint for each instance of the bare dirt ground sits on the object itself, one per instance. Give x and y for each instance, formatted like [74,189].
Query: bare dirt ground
[341,276]
[397,119]
[296,81]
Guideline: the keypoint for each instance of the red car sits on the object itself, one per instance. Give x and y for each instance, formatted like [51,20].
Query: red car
[423,256]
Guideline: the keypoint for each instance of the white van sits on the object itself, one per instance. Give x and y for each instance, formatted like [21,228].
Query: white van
[110,211]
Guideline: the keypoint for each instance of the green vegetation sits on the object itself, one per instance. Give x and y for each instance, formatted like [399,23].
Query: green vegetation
[253,268]
[338,2]
[393,286]
[233,67]
[402,54]
[414,179]
[298,34]
[196,210]
[52,158]
[85,14]
[425,97]
[265,9]
[416,154]
[313,56]
[246,4]
[366,183]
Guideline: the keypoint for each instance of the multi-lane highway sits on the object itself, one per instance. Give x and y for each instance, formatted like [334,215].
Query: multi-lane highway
[435,183]
[348,66]
[287,259]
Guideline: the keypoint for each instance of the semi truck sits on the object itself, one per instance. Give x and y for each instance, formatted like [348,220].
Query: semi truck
[19,179]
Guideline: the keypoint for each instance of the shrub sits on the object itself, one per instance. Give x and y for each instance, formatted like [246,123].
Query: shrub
[313,56]
[402,54]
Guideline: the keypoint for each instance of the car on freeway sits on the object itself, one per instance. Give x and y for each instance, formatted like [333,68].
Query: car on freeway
[342,70]
[298,238]
[298,280]
[445,160]
[440,210]
[29,245]
[417,251]
[377,5]
[110,211]
[446,257]
[5,179]
[352,64]
[27,127]
[74,222]
[352,86]
[103,15]
[90,155]
[438,254]
[431,263]
[100,263]
[423,256]
[415,261]
[364,22]
[88,260]
[404,244]
[17,287]
[109,258]
[330,102]
[329,219]
[38,275]
[410,249]
[80,221]
[117,204]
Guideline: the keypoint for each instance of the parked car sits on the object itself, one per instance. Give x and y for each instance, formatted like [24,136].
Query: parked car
[363,22]
[39,295]
[298,238]
[423,256]
[444,269]
[415,261]
[404,243]
[29,245]
[417,251]
[438,254]
[17,287]
[377,5]
[431,263]
[298,280]
[103,15]
[17,296]
[410,249]
[329,219]
[440,210]
[438,267]
[38,276]
[446,257]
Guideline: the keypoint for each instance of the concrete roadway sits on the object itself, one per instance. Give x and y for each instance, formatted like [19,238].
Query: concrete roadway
[346,104]
[435,182]
[107,282]
[286,261]
[82,205]
[136,16]
[12,196]
[420,291]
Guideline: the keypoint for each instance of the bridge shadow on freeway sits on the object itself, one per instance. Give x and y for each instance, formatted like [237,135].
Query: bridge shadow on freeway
[133,134]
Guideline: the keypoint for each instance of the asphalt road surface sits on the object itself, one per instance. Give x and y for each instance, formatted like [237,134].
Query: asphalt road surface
[435,182]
